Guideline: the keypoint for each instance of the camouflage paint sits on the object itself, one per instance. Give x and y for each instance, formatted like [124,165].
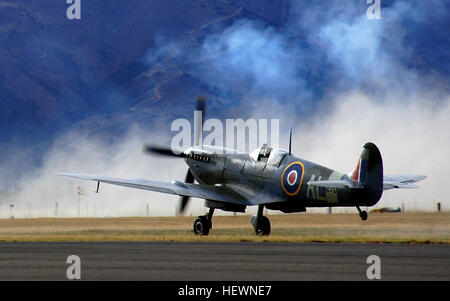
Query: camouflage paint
[252,178]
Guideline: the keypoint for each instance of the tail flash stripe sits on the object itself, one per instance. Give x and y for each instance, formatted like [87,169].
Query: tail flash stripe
[355,175]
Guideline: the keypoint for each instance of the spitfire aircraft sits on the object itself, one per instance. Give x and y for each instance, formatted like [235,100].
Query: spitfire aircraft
[271,178]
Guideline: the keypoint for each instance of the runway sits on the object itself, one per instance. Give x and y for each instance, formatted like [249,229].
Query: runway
[223,261]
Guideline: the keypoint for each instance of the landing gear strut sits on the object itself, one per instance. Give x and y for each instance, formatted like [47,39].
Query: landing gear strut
[203,223]
[260,223]
[362,214]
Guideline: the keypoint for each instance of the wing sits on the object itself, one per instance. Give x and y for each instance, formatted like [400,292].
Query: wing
[254,195]
[209,192]
[401,181]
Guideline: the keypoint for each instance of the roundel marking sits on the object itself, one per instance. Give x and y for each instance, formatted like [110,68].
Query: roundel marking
[292,177]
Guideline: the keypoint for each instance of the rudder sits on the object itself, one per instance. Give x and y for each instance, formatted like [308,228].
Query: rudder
[369,172]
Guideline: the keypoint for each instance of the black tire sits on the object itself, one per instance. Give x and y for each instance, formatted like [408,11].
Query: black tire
[263,227]
[201,226]
[363,215]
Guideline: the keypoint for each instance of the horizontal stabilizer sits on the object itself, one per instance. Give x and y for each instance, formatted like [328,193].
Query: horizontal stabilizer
[346,183]
[401,181]
[391,185]
[389,182]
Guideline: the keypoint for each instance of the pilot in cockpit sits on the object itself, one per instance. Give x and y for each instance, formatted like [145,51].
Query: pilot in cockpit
[264,152]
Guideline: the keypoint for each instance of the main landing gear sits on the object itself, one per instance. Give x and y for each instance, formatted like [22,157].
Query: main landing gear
[203,223]
[362,213]
[260,223]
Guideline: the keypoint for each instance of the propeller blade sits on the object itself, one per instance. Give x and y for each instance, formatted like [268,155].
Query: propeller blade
[161,150]
[201,108]
[189,177]
[185,199]
[201,103]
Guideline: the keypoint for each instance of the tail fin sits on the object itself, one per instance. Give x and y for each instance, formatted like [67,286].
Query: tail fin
[369,172]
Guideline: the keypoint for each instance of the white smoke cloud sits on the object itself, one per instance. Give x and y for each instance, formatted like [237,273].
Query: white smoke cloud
[41,189]
[380,98]
[256,61]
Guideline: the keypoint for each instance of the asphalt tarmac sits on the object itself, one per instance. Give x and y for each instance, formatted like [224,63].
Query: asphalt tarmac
[223,261]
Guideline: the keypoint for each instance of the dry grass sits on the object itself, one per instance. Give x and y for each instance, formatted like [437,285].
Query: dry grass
[379,228]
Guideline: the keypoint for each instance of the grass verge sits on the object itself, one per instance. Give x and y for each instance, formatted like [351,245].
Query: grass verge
[403,228]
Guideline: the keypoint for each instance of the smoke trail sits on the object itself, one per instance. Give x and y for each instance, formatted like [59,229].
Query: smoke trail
[43,188]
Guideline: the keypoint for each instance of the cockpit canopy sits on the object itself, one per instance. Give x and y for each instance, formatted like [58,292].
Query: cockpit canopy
[267,154]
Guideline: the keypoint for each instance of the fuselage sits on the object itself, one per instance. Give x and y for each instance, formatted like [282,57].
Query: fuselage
[273,174]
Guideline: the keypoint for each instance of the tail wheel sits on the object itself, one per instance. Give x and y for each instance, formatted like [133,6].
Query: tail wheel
[363,215]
